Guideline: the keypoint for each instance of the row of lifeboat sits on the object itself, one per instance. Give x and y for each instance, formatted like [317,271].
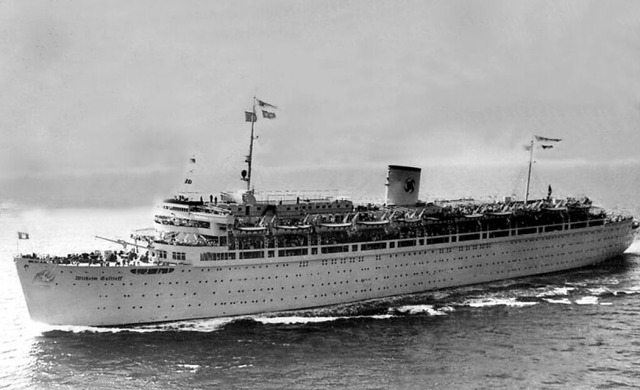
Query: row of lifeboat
[399,218]
[321,224]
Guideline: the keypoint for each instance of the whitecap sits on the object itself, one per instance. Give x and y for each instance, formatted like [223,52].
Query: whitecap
[93,329]
[634,248]
[599,291]
[556,291]
[630,291]
[429,309]
[189,367]
[587,301]
[563,301]
[294,320]
[309,320]
[512,302]
[203,325]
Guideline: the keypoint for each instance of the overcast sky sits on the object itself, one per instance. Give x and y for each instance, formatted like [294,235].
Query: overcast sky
[96,90]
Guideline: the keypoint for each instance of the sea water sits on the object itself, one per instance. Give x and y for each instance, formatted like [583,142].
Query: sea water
[576,329]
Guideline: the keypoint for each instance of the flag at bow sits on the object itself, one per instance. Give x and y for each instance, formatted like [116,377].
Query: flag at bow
[250,116]
[23,236]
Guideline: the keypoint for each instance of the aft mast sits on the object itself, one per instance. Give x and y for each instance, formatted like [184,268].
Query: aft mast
[526,192]
[545,143]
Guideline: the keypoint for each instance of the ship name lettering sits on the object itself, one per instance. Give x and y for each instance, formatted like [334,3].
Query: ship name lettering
[86,278]
[112,278]
[102,278]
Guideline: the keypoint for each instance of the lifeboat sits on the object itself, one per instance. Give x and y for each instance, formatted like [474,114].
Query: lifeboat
[500,213]
[554,209]
[371,225]
[407,222]
[249,230]
[293,229]
[333,227]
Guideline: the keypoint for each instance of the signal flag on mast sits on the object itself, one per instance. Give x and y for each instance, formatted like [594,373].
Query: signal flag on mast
[265,104]
[250,116]
[545,139]
[268,115]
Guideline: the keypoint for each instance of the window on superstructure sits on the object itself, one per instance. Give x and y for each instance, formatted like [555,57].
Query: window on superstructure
[207,256]
[179,256]
[162,254]
[292,252]
[251,254]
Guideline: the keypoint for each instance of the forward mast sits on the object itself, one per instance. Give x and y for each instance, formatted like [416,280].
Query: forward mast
[252,116]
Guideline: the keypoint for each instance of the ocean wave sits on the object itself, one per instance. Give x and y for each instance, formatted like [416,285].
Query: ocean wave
[600,291]
[188,367]
[420,309]
[564,301]
[588,300]
[630,291]
[487,302]
[634,248]
[310,320]
[556,291]
[204,325]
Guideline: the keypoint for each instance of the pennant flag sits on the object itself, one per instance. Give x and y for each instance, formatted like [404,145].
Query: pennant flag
[268,115]
[527,147]
[265,104]
[250,117]
[546,146]
[545,139]
[192,160]
[23,236]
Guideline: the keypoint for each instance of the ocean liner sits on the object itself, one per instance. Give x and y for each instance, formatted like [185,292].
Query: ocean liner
[237,255]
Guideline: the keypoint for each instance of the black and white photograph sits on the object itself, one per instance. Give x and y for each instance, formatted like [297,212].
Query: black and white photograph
[328,194]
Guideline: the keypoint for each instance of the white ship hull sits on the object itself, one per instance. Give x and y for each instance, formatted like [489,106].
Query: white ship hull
[107,296]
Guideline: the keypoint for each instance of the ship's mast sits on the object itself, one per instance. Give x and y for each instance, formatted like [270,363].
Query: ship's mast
[249,158]
[253,117]
[526,192]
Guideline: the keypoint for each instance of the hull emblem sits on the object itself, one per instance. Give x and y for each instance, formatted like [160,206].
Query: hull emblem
[44,277]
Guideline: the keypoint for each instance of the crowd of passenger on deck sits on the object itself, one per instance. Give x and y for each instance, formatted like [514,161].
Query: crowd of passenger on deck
[99,258]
